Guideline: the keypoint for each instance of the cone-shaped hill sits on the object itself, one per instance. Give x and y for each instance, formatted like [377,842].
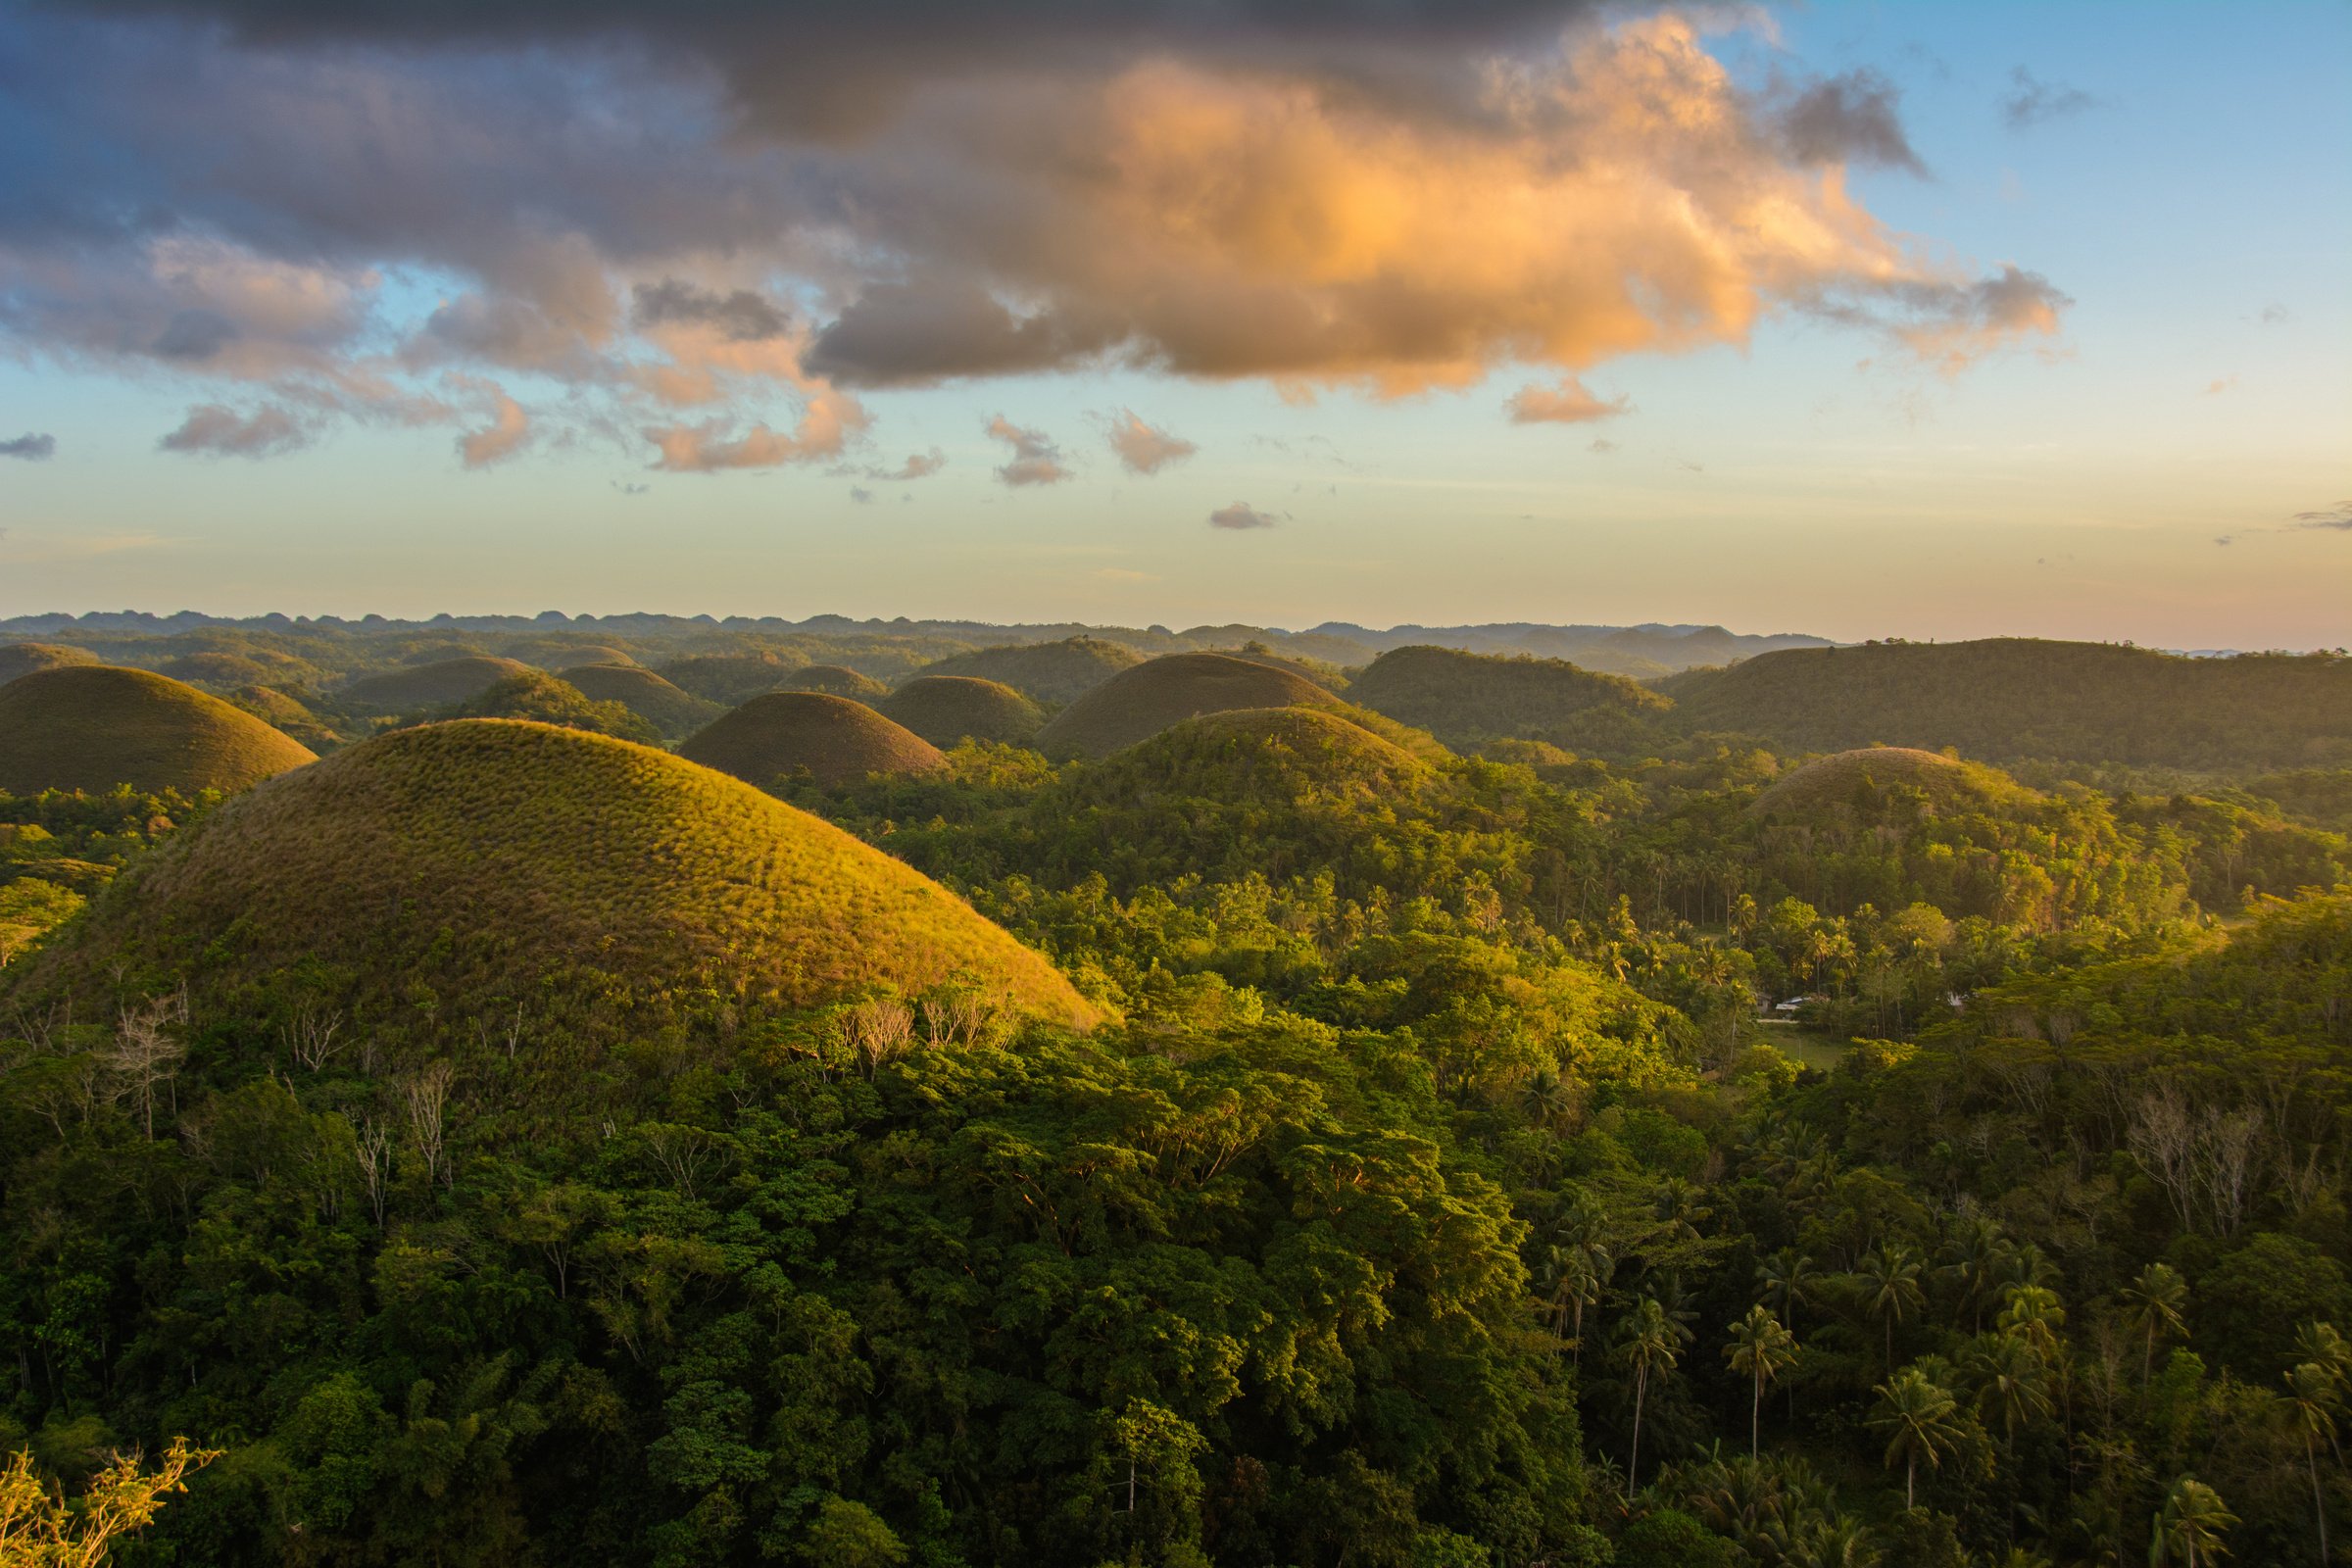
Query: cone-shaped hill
[947,708]
[1465,699]
[421,875]
[547,699]
[1256,751]
[1136,704]
[671,710]
[93,726]
[1868,781]
[778,734]
[1051,673]
[422,686]
[833,680]
[24,658]
[724,678]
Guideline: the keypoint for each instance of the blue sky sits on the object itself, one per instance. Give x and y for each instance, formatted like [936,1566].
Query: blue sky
[1807,476]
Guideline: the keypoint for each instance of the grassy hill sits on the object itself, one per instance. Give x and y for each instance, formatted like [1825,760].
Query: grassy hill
[1136,704]
[725,678]
[93,726]
[660,704]
[1051,673]
[288,715]
[1867,780]
[833,680]
[429,869]
[2013,699]
[546,699]
[22,659]
[1252,751]
[947,708]
[837,741]
[1465,699]
[426,686]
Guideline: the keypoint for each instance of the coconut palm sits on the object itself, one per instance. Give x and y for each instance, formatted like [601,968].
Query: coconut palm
[1784,1280]
[2156,1302]
[2011,1382]
[2312,1393]
[2188,1528]
[1646,1342]
[1975,1250]
[1889,1286]
[2032,1313]
[1762,1349]
[1921,1421]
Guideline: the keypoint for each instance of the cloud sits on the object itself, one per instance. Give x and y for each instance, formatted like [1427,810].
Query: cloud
[1602,445]
[2225,539]
[2337,516]
[1144,448]
[861,495]
[631,487]
[32,447]
[2274,315]
[1849,118]
[1036,460]
[2218,385]
[732,218]
[213,430]
[1241,514]
[1951,326]
[508,433]
[1569,402]
[919,466]
[2037,103]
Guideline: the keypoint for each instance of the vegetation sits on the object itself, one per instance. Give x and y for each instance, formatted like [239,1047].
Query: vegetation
[1860,781]
[40,1529]
[545,699]
[1466,699]
[831,740]
[1139,703]
[423,687]
[93,726]
[726,678]
[671,712]
[1059,672]
[2010,699]
[947,708]
[24,658]
[833,680]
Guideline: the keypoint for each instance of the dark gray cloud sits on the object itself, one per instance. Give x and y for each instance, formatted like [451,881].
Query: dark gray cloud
[1242,515]
[1849,118]
[741,317]
[918,333]
[214,431]
[919,466]
[2337,518]
[30,448]
[1036,460]
[2037,103]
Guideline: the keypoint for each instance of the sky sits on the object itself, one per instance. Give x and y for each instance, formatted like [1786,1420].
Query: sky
[1847,318]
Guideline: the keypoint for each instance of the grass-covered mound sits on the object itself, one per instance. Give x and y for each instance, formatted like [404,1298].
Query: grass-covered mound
[725,678]
[1051,673]
[91,727]
[947,708]
[546,699]
[288,715]
[1139,703]
[19,660]
[1252,751]
[833,680]
[564,660]
[1867,780]
[660,704]
[426,869]
[1466,699]
[832,739]
[425,686]
[2013,699]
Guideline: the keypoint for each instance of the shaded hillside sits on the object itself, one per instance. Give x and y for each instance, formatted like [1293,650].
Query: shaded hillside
[423,686]
[947,708]
[2012,699]
[725,678]
[1255,750]
[833,680]
[94,726]
[833,739]
[1465,699]
[1051,673]
[660,704]
[1865,782]
[288,715]
[448,861]
[24,658]
[545,699]
[1139,703]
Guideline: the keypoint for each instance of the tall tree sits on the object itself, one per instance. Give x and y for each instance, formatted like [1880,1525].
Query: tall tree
[1762,1349]
[1646,1342]
[1920,1420]
[1889,1278]
[2157,1301]
[2189,1527]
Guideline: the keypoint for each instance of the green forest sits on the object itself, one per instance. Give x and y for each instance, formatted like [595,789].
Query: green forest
[1480,1114]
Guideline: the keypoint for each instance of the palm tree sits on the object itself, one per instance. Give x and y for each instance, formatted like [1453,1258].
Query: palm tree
[1785,1279]
[1890,1292]
[2009,1376]
[2313,1392]
[1975,1250]
[2155,1302]
[1918,1418]
[1761,1348]
[2188,1530]
[2032,1313]
[1646,1341]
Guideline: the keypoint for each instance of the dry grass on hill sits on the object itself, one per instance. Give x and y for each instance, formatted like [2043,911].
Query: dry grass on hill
[93,726]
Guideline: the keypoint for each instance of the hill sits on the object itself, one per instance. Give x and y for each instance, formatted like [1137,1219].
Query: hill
[1864,781]
[1466,699]
[22,659]
[1248,751]
[833,680]
[837,741]
[726,678]
[2015,699]
[660,704]
[1051,673]
[947,708]
[425,686]
[446,862]
[1137,704]
[287,714]
[91,727]
[546,699]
